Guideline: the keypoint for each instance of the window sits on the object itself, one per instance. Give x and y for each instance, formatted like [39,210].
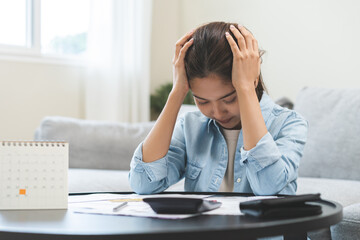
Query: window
[44,28]
[64,26]
[13,23]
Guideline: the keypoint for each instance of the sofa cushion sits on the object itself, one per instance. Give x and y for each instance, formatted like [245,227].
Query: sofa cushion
[96,180]
[95,144]
[332,149]
[349,227]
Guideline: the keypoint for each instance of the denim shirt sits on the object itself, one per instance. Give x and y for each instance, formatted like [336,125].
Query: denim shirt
[198,152]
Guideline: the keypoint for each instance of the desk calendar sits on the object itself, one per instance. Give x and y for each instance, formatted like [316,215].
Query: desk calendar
[33,175]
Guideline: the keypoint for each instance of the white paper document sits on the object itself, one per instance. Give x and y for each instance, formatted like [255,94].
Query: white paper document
[231,204]
[105,204]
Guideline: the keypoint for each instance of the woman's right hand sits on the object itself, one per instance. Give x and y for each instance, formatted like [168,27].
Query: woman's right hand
[180,81]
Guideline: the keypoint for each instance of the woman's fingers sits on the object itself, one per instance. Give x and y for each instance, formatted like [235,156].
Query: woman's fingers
[240,39]
[180,43]
[255,45]
[179,73]
[248,37]
[244,38]
[183,50]
[234,47]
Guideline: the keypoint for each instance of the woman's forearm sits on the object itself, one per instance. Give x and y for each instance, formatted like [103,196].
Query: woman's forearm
[157,143]
[252,121]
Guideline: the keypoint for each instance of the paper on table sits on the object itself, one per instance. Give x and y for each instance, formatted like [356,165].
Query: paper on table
[104,204]
[230,205]
[103,197]
[138,209]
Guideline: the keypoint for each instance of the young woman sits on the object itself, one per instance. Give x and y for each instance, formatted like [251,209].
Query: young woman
[239,141]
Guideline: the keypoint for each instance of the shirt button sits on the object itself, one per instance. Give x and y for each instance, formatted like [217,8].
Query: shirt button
[238,180]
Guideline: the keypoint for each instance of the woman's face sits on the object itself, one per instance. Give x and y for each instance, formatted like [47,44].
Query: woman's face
[217,99]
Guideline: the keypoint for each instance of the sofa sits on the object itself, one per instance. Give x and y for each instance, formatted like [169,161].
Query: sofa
[100,152]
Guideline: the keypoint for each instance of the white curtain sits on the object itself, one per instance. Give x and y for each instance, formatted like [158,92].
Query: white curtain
[118,71]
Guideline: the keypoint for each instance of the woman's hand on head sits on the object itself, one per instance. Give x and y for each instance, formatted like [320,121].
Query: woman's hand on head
[246,58]
[180,81]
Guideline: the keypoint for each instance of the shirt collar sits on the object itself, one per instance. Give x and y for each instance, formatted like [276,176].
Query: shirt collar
[266,105]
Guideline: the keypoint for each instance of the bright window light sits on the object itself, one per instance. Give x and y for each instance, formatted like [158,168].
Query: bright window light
[64,27]
[13,16]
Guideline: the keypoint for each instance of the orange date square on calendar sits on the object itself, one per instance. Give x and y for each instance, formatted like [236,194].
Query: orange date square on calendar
[22,191]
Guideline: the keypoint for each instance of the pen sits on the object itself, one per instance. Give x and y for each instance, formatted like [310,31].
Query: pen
[117,208]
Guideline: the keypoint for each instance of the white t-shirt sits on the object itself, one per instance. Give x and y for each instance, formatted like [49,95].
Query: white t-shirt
[231,138]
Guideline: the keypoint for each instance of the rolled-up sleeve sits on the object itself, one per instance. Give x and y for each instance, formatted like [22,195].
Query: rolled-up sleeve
[157,176]
[272,165]
[155,171]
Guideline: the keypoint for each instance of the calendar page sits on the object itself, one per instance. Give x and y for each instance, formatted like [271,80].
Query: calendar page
[34,175]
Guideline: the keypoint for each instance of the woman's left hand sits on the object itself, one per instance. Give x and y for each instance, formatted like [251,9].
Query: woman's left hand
[246,58]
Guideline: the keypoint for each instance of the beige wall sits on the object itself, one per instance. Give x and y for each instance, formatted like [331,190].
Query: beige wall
[308,43]
[30,91]
[165,32]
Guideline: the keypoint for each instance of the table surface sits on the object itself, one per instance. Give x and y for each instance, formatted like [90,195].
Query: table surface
[64,224]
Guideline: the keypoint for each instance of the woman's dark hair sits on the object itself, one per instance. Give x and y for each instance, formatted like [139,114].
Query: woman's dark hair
[210,53]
